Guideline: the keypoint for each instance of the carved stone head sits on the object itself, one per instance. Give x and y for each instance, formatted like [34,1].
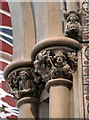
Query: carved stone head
[59,59]
[24,75]
[72,16]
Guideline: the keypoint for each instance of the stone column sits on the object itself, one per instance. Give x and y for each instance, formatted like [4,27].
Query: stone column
[55,59]
[58,90]
[55,25]
[28,107]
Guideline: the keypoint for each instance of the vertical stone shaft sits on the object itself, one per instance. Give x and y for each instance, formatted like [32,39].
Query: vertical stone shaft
[59,101]
[23,29]
[58,106]
[27,107]
[55,20]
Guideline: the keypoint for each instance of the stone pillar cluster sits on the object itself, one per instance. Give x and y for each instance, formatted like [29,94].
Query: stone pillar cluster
[53,62]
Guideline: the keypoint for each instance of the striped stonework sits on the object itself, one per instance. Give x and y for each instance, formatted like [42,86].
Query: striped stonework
[7,104]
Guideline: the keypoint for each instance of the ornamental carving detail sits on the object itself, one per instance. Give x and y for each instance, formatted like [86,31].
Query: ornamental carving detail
[21,83]
[50,63]
[73,28]
[56,63]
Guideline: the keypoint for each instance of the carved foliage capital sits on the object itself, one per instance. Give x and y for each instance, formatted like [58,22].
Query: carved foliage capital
[54,63]
[23,83]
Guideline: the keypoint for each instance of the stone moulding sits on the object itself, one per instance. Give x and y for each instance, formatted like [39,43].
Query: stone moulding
[59,82]
[55,41]
[15,65]
[26,100]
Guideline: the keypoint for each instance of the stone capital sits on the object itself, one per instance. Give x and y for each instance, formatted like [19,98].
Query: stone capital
[22,80]
[56,58]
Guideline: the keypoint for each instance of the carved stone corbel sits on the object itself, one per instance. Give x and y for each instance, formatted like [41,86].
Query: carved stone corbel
[73,27]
